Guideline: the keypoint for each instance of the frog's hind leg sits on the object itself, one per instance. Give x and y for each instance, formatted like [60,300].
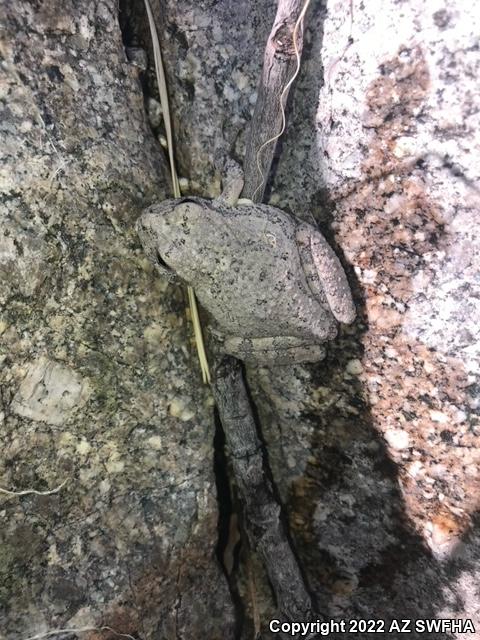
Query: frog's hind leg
[324,272]
[278,350]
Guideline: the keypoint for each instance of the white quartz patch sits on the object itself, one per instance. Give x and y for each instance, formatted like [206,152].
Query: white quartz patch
[50,392]
[397,439]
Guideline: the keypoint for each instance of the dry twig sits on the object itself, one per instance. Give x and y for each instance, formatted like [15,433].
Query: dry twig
[265,529]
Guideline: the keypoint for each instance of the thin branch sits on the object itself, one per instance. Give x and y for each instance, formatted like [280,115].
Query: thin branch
[265,529]
[281,65]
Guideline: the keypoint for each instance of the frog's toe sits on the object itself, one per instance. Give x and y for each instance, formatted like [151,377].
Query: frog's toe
[274,350]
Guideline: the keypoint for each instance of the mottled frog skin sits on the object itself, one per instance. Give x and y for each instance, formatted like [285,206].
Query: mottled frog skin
[274,288]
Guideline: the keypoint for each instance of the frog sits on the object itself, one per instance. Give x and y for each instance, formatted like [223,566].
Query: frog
[274,289]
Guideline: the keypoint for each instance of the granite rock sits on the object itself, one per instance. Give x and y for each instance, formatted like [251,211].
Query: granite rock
[375,450]
[99,385]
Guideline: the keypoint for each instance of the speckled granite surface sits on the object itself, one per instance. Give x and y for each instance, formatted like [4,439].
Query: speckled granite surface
[374,451]
[383,480]
[98,386]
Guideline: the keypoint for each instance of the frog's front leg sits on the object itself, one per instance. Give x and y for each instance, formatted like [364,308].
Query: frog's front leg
[276,350]
[232,183]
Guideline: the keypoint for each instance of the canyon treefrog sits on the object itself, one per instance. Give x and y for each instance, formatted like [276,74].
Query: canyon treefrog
[273,286]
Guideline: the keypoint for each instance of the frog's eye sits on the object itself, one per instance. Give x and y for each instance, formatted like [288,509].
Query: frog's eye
[161,262]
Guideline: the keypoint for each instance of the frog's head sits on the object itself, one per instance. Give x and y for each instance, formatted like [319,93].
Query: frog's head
[173,236]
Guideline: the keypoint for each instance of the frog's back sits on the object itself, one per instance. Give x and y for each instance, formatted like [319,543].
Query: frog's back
[258,287]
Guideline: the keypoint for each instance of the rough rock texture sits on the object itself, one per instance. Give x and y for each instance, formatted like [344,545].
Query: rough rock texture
[374,451]
[213,54]
[381,442]
[98,385]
